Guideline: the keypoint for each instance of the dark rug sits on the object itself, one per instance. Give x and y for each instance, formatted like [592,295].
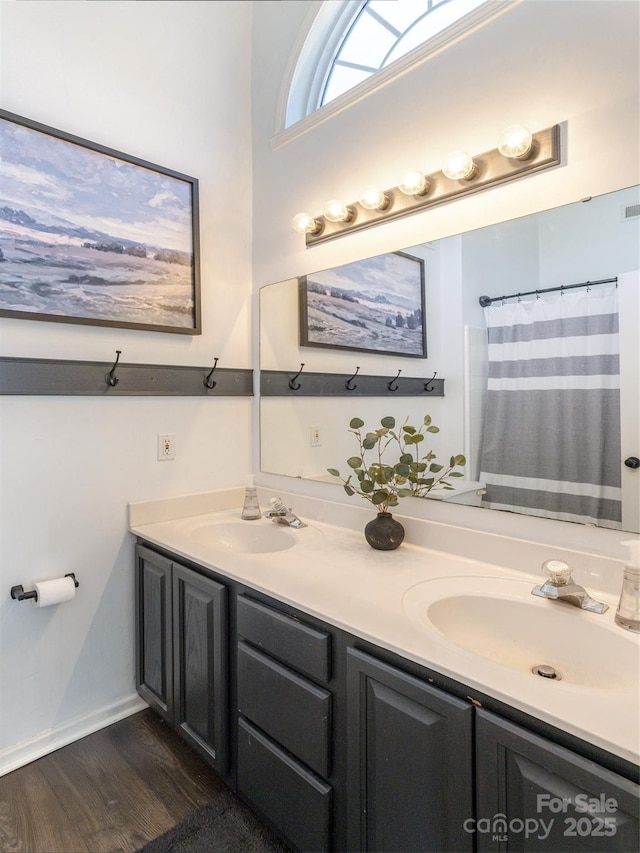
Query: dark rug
[225,825]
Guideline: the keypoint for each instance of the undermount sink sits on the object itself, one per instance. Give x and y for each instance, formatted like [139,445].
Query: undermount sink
[243,537]
[499,620]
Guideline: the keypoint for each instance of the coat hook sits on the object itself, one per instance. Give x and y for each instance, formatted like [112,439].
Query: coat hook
[293,385]
[348,384]
[391,386]
[427,384]
[110,378]
[208,381]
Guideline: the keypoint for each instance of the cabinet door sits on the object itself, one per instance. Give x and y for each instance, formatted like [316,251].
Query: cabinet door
[200,655]
[410,762]
[533,795]
[153,631]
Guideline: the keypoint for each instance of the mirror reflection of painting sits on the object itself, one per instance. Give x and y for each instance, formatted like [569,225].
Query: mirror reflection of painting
[540,365]
[373,305]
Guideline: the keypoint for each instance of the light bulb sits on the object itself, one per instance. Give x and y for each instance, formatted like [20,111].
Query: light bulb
[414,183]
[305,224]
[459,166]
[373,198]
[515,142]
[336,211]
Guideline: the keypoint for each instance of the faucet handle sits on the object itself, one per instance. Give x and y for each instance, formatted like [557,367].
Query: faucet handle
[558,572]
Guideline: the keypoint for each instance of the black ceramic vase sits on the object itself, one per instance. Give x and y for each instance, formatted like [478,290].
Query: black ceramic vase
[383,532]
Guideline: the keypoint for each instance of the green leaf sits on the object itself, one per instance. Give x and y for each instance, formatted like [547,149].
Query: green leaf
[381,432]
[406,459]
[460,459]
[401,469]
[333,471]
[389,473]
[456,474]
[418,466]
[418,438]
[433,429]
[368,443]
[405,493]
[354,462]
[409,429]
[366,486]
[380,497]
[427,420]
[434,467]
[356,423]
[388,422]
[349,490]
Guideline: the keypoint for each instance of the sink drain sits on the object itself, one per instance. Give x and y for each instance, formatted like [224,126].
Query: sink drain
[544,670]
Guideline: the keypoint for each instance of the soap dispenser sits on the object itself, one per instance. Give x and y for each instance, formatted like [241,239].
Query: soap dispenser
[628,612]
[251,508]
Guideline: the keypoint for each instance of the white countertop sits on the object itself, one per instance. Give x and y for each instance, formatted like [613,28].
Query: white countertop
[332,574]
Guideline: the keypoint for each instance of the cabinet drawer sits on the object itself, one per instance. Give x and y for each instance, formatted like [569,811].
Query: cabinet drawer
[286,638]
[293,799]
[286,706]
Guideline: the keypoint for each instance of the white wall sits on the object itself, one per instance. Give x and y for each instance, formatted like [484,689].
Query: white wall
[539,62]
[168,82]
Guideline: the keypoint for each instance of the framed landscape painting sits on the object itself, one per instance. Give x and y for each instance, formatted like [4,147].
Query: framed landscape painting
[375,305]
[90,235]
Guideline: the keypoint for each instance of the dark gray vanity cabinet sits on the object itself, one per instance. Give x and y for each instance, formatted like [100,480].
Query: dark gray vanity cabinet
[410,761]
[154,645]
[182,651]
[533,795]
[285,722]
[344,746]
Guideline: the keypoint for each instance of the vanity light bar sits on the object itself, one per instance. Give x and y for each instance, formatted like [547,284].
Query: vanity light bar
[490,169]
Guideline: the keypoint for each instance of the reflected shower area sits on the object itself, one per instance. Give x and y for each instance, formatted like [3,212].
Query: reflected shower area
[545,408]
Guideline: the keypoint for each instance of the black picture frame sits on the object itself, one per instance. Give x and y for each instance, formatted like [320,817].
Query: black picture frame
[375,305]
[92,236]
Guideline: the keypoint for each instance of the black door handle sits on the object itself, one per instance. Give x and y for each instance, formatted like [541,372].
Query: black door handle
[632,462]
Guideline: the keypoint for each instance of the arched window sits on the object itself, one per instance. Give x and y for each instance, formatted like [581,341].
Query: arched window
[351,41]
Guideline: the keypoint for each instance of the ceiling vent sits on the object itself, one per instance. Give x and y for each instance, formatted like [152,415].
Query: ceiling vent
[630,211]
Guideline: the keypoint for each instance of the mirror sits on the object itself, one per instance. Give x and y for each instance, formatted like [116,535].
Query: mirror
[591,240]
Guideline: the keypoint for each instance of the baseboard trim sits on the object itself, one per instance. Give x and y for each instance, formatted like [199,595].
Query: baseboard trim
[58,736]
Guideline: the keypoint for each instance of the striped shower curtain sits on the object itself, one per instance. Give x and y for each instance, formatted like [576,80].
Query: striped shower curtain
[551,435]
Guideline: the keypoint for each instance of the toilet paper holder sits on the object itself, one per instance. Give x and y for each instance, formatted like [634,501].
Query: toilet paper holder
[18,593]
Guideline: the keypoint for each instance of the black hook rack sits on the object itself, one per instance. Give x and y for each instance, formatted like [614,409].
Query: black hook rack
[426,384]
[18,593]
[208,381]
[391,386]
[110,378]
[295,386]
[348,384]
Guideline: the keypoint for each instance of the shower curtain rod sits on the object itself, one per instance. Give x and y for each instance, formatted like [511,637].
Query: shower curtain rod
[485,301]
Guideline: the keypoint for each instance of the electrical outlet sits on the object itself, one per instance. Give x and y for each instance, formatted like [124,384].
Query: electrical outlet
[314,439]
[166,447]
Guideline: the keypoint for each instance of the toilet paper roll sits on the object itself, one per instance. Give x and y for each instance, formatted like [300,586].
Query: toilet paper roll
[54,591]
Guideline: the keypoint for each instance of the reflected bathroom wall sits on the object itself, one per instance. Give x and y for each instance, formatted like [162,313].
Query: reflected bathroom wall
[585,241]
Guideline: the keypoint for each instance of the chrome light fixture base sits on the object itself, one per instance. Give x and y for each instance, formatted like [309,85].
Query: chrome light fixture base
[492,168]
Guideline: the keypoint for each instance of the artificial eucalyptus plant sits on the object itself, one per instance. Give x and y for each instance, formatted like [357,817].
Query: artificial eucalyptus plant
[383,482]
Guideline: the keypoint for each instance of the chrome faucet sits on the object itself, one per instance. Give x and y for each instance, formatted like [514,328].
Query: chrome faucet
[561,587]
[280,514]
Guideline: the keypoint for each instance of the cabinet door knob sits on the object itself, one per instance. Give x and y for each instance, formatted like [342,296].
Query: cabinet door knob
[632,462]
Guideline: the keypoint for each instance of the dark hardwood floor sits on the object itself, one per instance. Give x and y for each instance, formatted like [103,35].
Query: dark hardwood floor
[114,790]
